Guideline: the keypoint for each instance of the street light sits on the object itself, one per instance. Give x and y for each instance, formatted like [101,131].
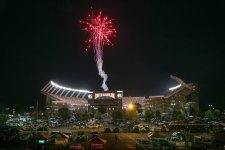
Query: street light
[130,106]
[173,104]
[210,105]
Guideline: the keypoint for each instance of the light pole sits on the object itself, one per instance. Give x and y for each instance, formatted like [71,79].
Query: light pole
[130,106]
[211,106]
[13,112]
[31,109]
[172,105]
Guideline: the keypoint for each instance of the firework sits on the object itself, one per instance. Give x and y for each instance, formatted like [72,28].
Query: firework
[100,30]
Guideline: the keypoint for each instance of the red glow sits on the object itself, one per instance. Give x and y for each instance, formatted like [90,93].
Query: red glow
[100,30]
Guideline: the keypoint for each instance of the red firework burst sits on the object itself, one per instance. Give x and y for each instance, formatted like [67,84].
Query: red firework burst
[100,29]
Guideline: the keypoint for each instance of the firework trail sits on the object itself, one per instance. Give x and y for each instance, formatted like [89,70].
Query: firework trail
[100,30]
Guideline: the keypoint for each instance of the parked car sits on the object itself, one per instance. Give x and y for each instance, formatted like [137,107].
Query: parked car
[76,147]
[122,125]
[135,129]
[68,133]
[142,119]
[154,134]
[116,130]
[161,143]
[142,125]
[143,144]
[107,130]
[43,129]
[80,136]
[94,134]
[75,127]
[179,136]
[164,128]
[90,126]
[145,130]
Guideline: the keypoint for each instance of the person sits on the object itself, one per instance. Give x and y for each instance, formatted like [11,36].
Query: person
[116,138]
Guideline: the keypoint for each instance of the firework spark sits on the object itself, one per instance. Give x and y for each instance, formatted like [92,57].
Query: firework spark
[101,30]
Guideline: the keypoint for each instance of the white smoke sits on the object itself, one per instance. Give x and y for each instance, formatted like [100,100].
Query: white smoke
[99,62]
[101,72]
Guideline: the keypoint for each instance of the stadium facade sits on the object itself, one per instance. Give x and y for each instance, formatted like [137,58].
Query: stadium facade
[179,97]
[57,96]
[111,100]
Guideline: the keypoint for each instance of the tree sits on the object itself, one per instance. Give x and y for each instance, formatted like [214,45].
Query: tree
[217,113]
[192,111]
[64,113]
[158,114]
[149,114]
[97,115]
[209,114]
[182,114]
[102,110]
[178,115]
[85,116]
[200,114]
[3,119]
[137,106]
[45,116]
[117,114]
[133,115]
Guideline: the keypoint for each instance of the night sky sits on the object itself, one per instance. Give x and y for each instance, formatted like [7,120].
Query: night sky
[43,40]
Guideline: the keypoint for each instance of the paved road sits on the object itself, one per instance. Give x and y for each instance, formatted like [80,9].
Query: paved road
[126,141]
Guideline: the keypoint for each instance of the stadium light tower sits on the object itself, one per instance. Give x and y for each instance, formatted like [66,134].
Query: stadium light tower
[181,82]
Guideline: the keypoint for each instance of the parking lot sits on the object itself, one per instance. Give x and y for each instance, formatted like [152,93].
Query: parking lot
[125,141]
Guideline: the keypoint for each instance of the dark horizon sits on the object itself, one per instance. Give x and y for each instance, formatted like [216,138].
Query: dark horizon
[43,41]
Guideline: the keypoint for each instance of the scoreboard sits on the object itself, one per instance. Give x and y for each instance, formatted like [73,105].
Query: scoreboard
[111,100]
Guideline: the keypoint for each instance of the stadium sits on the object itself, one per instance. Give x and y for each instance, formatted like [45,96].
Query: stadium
[181,96]
[58,96]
